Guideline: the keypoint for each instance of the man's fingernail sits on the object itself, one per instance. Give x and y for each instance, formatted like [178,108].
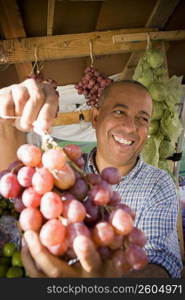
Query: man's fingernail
[29,236]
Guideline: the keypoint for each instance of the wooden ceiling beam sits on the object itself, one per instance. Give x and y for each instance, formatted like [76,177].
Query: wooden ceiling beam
[68,46]
[12,27]
[163,9]
[50,16]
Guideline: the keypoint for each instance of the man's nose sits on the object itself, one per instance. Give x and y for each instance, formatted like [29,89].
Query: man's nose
[129,124]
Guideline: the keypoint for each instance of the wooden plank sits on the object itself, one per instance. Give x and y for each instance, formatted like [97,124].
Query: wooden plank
[72,117]
[174,35]
[50,17]
[12,27]
[163,9]
[161,13]
[68,45]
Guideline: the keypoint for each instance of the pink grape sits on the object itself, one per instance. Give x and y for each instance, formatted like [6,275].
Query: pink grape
[29,154]
[103,234]
[18,204]
[136,257]
[73,151]
[42,181]
[51,206]
[25,175]
[127,209]
[54,159]
[31,198]
[121,265]
[117,242]
[79,189]
[121,221]
[30,219]
[115,199]
[52,233]
[9,186]
[93,178]
[74,211]
[111,175]
[64,178]
[59,249]
[93,212]
[75,229]
[137,237]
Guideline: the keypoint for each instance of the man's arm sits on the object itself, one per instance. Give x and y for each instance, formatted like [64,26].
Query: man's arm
[31,101]
[150,271]
[10,140]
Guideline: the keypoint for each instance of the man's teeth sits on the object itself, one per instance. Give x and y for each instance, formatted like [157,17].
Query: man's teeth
[122,141]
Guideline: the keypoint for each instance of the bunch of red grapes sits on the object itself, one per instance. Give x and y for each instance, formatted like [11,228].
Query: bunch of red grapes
[67,206]
[92,85]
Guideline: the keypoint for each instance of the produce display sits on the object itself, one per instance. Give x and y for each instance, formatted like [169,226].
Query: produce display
[70,208]
[92,84]
[10,262]
[165,125]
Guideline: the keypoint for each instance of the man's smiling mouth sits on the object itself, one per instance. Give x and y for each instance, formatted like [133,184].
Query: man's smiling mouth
[122,140]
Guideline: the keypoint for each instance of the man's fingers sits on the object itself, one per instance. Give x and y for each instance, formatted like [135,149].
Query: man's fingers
[87,254]
[50,264]
[29,264]
[49,109]
[33,105]
[20,96]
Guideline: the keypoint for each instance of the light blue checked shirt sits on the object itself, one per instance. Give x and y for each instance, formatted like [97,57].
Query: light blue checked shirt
[151,194]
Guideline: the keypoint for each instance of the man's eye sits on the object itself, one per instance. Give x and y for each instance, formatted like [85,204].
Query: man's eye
[143,119]
[118,112]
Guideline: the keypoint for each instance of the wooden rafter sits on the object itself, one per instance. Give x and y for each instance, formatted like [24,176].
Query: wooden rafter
[12,27]
[68,45]
[163,9]
[50,17]
[72,117]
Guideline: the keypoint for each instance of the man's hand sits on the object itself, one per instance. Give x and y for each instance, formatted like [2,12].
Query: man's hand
[38,262]
[31,101]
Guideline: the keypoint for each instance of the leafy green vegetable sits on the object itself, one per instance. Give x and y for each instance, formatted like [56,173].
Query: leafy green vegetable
[158,110]
[171,126]
[166,149]
[150,151]
[155,58]
[154,127]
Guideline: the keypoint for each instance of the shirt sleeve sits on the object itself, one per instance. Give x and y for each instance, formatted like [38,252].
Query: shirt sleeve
[158,220]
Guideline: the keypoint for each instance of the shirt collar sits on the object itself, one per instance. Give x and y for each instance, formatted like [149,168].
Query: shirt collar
[91,165]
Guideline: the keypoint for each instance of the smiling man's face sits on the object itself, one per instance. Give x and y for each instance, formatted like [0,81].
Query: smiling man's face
[121,124]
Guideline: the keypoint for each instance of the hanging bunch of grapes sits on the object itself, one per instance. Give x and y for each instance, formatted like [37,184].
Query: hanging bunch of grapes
[91,85]
[68,207]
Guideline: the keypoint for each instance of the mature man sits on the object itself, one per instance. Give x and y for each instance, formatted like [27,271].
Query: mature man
[121,122]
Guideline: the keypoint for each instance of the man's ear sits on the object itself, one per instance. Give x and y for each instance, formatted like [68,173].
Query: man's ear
[95,113]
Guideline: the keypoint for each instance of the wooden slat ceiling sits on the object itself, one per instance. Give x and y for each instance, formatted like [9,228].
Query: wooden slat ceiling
[44,18]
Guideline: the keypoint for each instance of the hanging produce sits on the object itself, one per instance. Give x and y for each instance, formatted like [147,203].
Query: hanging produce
[93,82]
[165,127]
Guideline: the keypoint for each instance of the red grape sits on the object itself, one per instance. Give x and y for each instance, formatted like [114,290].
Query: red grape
[111,175]
[31,198]
[52,233]
[51,205]
[121,221]
[103,234]
[42,181]
[30,219]
[54,159]
[30,155]
[25,175]
[9,186]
